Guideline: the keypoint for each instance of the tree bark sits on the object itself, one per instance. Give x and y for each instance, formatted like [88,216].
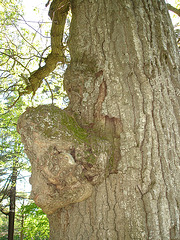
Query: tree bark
[123,81]
[12,203]
[123,85]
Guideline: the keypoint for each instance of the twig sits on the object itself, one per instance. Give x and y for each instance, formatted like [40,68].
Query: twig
[52,96]
[42,55]
[34,28]
[13,57]
[33,21]
[47,3]
[25,39]
[20,94]
[4,212]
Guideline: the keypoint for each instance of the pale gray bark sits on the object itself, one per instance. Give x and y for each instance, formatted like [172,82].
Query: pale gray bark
[125,70]
[123,85]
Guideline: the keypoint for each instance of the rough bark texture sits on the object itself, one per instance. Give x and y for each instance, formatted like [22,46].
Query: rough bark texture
[66,161]
[123,86]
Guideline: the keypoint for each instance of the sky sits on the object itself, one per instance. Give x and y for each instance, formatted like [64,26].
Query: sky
[31,14]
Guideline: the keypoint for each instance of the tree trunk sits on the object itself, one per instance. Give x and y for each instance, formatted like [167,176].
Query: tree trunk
[12,203]
[123,81]
[22,223]
[123,87]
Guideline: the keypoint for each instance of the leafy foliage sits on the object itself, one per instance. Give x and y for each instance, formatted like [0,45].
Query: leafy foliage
[36,225]
[11,150]
[20,52]
[24,49]
[31,223]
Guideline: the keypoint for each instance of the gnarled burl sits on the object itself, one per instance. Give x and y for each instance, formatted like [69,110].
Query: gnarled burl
[66,162]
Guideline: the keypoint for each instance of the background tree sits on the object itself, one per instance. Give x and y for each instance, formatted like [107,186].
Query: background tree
[12,161]
[118,140]
[35,222]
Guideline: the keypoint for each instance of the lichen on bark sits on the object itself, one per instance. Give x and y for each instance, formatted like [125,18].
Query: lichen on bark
[66,161]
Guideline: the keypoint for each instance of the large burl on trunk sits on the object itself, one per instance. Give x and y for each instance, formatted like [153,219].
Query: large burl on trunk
[66,160]
[107,167]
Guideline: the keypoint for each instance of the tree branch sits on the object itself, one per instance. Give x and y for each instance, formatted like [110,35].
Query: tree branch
[173,9]
[26,22]
[25,38]
[12,56]
[52,96]
[4,212]
[58,12]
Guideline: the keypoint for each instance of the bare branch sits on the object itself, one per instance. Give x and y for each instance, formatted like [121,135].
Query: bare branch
[25,38]
[33,28]
[34,21]
[5,213]
[10,88]
[47,3]
[14,103]
[16,61]
[58,13]
[57,53]
[41,58]
[173,9]
[52,96]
